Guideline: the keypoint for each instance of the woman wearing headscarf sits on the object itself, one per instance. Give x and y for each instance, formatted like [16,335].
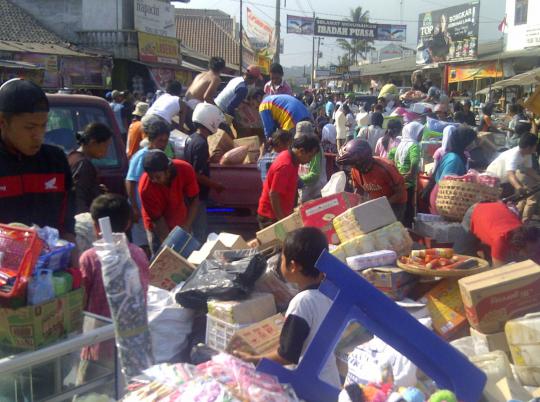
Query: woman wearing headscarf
[375,131]
[454,162]
[446,147]
[389,140]
[407,158]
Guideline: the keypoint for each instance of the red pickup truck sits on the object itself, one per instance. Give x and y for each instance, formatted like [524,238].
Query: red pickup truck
[233,210]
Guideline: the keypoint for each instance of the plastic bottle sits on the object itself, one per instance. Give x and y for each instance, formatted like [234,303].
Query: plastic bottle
[41,287]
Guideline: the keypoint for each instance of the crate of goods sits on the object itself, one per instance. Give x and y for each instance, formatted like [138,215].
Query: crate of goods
[169,268]
[19,253]
[392,281]
[492,298]
[455,197]
[392,237]
[257,307]
[219,333]
[278,231]
[181,241]
[253,143]
[374,259]
[321,212]
[31,327]
[446,308]
[364,218]
[258,338]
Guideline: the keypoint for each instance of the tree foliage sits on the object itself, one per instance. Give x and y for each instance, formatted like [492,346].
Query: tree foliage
[355,48]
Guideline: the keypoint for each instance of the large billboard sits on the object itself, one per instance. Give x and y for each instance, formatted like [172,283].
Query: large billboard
[345,29]
[158,49]
[394,33]
[155,17]
[300,25]
[450,34]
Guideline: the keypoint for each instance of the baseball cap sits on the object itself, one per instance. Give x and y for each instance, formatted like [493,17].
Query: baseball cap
[141,109]
[304,128]
[20,96]
[254,71]
[155,160]
[116,93]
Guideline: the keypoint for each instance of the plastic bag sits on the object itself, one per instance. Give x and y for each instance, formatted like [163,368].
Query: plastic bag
[335,185]
[169,324]
[127,304]
[229,281]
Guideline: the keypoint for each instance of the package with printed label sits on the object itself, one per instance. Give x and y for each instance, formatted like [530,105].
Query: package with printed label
[257,307]
[392,237]
[321,212]
[392,281]
[493,297]
[169,269]
[258,338]
[253,143]
[374,259]
[446,308]
[278,231]
[364,218]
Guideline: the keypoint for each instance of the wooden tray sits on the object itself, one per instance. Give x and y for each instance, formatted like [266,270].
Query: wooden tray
[483,265]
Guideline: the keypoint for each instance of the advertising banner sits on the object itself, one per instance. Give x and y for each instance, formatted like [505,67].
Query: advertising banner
[158,49]
[155,17]
[85,72]
[258,29]
[48,62]
[345,29]
[470,72]
[396,33]
[450,34]
[300,25]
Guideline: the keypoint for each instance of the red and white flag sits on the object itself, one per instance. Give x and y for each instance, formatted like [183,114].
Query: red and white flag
[503,25]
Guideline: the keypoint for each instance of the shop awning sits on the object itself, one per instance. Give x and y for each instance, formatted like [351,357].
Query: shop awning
[528,78]
[43,48]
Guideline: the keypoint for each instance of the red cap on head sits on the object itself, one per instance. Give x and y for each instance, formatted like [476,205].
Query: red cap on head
[254,71]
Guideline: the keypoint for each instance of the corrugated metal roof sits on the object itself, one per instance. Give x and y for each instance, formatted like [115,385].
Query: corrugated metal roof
[46,48]
[18,25]
[19,64]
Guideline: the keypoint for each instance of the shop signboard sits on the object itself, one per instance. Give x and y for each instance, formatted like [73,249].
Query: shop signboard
[85,72]
[474,71]
[158,49]
[449,34]
[48,61]
[532,36]
[300,25]
[155,17]
[345,29]
[391,51]
[394,33]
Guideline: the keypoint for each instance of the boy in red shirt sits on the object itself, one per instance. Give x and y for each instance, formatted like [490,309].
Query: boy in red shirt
[164,187]
[375,176]
[280,187]
[494,225]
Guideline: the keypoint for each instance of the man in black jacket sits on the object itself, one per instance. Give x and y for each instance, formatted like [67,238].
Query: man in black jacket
[35,178]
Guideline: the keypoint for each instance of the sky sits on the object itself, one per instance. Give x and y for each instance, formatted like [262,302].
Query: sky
[298,48]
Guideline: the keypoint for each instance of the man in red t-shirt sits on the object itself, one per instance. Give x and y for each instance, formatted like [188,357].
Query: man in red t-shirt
[163,188]
[375,176]
[494,225]
[281,185]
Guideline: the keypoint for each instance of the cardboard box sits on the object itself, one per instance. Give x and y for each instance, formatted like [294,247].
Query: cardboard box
[485,343]
[393,282]
[253,145]
[258,307]
[31,327]
[169,269]
[218,145]
[321,212]
[491,298]
[278,231]
[364,218]
[446,308]
[258,338]
[206,251]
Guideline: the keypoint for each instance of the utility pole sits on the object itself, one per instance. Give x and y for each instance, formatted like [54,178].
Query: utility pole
[313,58]
[241,61]
[318,52]
[277,34]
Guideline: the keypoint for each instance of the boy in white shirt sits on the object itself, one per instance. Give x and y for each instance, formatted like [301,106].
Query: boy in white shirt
[308,308]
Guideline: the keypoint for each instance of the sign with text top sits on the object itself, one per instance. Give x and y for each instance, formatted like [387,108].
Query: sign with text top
[345,29]
[155,17]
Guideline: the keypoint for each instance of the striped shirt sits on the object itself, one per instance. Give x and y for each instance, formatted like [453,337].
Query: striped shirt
[283,112]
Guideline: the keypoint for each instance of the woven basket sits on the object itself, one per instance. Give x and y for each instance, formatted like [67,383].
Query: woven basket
[456,197]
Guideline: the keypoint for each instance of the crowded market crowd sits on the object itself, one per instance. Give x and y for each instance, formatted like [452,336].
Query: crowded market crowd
[381,146]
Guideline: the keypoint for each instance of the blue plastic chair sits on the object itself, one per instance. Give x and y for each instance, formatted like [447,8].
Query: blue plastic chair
[355,299]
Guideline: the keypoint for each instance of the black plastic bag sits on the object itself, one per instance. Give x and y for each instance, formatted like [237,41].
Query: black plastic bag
[222,281]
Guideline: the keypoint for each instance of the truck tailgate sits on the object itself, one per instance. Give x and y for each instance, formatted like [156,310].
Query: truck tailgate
[243,186]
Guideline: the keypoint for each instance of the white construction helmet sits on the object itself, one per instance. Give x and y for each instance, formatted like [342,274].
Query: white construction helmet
[209,116]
